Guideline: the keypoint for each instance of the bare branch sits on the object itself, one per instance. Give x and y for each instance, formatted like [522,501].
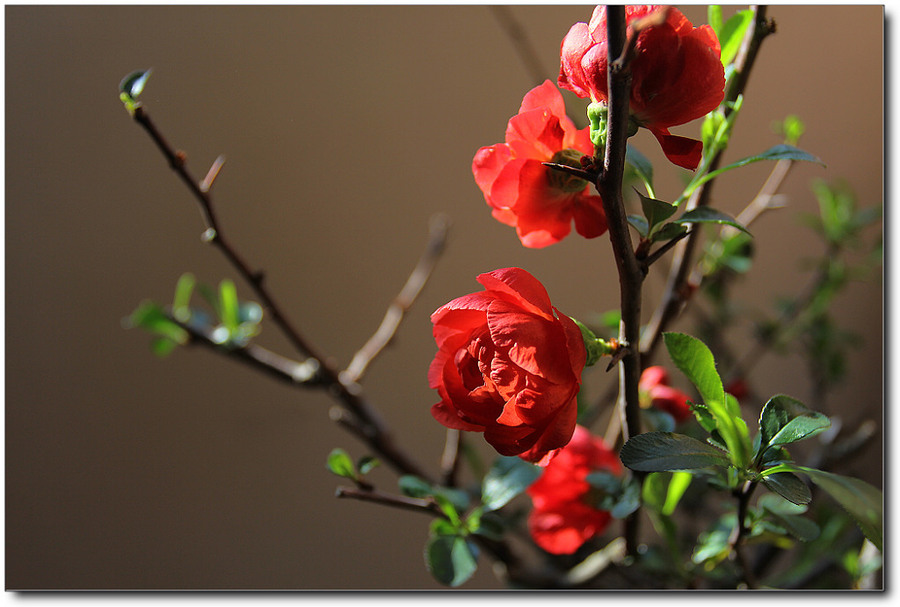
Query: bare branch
[397,310]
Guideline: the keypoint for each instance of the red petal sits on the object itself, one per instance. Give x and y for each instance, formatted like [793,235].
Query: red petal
[682,151]
[522,286]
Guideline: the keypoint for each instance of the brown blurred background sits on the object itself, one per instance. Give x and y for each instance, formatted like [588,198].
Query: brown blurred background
[345,129]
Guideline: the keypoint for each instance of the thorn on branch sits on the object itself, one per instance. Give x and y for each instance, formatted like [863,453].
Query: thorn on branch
[580,173]
[211,175]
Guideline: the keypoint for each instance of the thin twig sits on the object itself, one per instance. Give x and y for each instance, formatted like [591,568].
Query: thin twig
[450,458]
[631,274]
[522,43]
[677,289]
[301,374]
[425,506]
[374,431]
[437,240]
[741,532]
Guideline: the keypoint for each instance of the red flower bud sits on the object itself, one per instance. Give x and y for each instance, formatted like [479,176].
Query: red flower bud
[565,515]
[538,201]
[509,365]
[677,74]
[656,392]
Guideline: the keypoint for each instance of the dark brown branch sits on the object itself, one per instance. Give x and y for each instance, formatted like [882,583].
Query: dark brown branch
[349,394]
[402,302]
[426,506]
[631,274]
[741,533]
[677,289]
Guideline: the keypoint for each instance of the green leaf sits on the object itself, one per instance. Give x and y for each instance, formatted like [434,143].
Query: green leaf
[786,420]
[656,211]
[507,478]
[788,486]
[714,18]
[339,463]
[413,486]
[451,560]
[151,317]
[441,526]
[778,152]
[228,305]
[677,486]
[133,84]
[732,34]
[792,128]
[639,223]
[643,169]
[367,463]
[628,501]
[708,215]
[863,502]
[661,451]
[667,231]
[162,346]
[181,304]
[787,515]
[696,361]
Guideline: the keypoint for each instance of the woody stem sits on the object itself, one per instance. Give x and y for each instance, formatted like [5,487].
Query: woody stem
[631,273]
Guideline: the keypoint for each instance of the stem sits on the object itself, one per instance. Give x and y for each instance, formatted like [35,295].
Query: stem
[631,273]
[349,394]
[402,302]
[678,290]
[743,497]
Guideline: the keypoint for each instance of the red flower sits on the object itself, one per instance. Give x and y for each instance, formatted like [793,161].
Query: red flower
[677,74]
[509,365]
[656,392]
[540,202]
[564,517]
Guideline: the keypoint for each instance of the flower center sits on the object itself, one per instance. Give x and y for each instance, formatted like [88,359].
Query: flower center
[564,181]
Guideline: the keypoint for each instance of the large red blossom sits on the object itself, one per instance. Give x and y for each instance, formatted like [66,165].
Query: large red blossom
[540,202]
[656,392]
[509,365]
[677,74]
[565,515]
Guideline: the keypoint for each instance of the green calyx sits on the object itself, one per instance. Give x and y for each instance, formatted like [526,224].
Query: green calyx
[564,181]
[598,114]
[595,346]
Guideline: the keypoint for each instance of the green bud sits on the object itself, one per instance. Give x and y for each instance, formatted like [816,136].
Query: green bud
[598,114]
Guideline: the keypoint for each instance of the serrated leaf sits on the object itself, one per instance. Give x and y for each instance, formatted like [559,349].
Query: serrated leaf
[451,560]
[695,360]
[789,487]
[662,451]
[639,224]
[786,420]
[863,502]
[507,478]
[339,463]
[708,215]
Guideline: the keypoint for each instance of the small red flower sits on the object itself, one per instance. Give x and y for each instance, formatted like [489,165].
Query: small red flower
[677,74]
[656,392]
[540,202]
[509,365]
[564,516]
